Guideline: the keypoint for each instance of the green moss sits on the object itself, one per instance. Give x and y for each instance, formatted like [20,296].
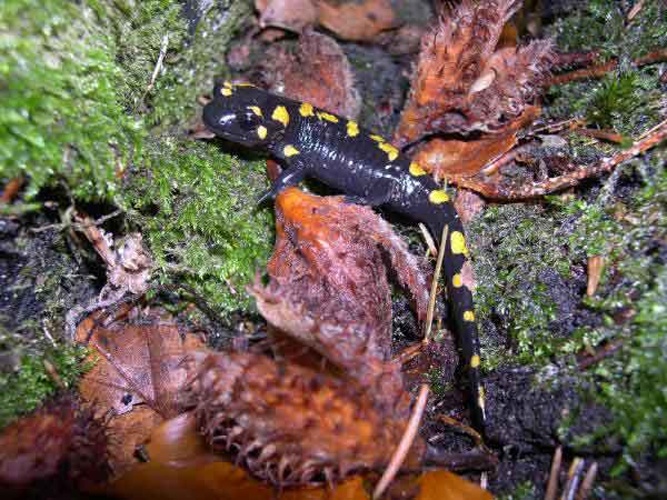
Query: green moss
[63,119]
[196,208]
[514,246]
[30,384]
[627,99]
[601,25]
[523,491]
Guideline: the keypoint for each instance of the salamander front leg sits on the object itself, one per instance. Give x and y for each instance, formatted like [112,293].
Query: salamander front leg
[291,176]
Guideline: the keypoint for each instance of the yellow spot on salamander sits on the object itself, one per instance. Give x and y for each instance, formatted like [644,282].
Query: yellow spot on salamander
[458,243]
[306,109]
[290,150]
[261,132]
[352,128]
[281,115]
[256,110]
[474,361]
[416,170]
[245,85]
[437,197]
[392,152]
[457,281]
[227,84]
[377,138]
[469,316]
[226,91]
[323,115]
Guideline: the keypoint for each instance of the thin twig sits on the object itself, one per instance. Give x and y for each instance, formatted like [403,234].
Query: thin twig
[635,10]
[492,191]
[573,478]
[430,312]
[158,63]
[600,70]
[552,484]
[587,483]
[405,443]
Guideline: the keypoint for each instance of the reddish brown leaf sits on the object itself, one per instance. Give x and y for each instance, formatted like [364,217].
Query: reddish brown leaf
[136,379]
[318,72]
[329,286]
[349,20]
[453,159]
[357,20]
[461,85]
[218,481]
[59,447]
[292,15]
[443,485]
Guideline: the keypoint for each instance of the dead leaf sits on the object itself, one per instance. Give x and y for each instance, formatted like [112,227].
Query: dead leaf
[349,20]
[292,15]
[357,20]
[454,159]
[443,485]
[137,376]
[329,283]
[318,73]
[60,447]
[219,481]
[463,82]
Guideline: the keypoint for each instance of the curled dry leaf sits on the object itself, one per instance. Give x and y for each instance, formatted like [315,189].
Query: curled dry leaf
[60,447]
[463,82]
[292,15]
[349,20]
[329,283]
[318,72]
[137,375]
[291,425]
[454,159]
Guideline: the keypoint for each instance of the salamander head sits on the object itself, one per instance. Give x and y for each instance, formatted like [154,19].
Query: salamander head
[237,114]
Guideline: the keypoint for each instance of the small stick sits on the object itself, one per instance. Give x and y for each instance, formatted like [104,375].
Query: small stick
[158,63]
[649,140]
[552,485]
[434,286]
[405,444]
[573,477]
[587,483]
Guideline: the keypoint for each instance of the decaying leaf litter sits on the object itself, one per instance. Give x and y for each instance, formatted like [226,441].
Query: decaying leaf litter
[483,80]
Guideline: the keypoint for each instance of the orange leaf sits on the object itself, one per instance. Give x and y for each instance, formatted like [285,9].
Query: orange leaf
[136,379]
[444,485]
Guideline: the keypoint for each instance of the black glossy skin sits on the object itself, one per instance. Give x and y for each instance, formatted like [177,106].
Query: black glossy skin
[356,165]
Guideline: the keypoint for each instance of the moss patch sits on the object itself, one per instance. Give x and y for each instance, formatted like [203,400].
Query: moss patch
[63,119]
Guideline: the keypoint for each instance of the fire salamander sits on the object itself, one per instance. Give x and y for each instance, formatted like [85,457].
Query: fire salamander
[366,168]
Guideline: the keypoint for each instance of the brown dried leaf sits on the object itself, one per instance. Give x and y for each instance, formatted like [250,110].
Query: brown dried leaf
[291,425]
[357,20]
[292,15]
[137,376]
[453,159]
[329,286]
[318,72]
[461,85]
[60,446]
[349,20]
[218,481]
[443,485]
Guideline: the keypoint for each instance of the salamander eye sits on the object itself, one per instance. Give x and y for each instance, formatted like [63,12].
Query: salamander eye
[248,120]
